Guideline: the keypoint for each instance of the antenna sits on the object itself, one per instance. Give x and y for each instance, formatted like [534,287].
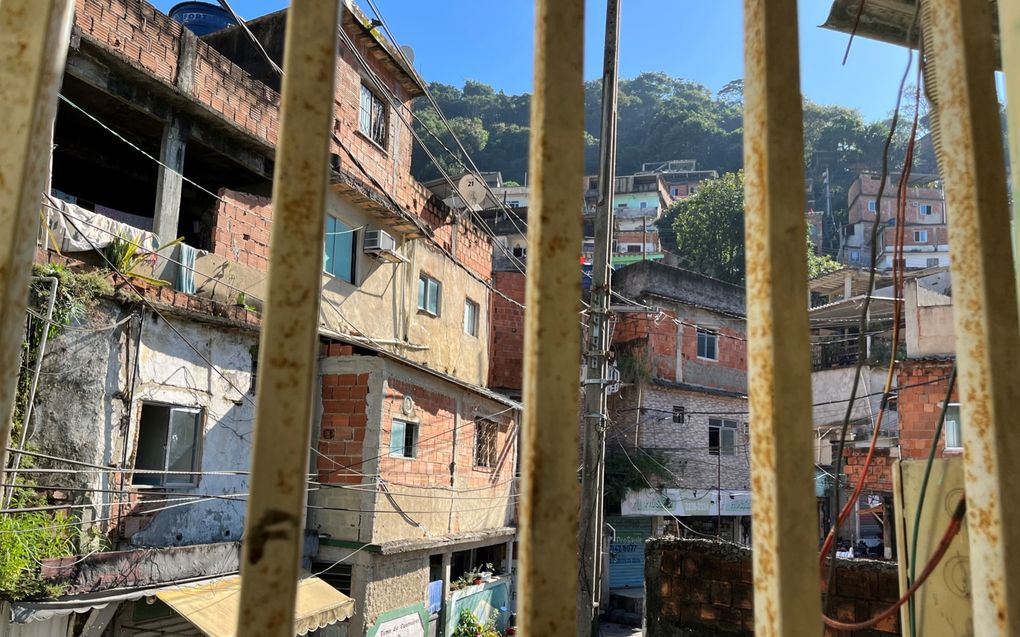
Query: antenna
[408,53]
[473,190]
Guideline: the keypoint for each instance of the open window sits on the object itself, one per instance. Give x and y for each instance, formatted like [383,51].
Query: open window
[953,433]
[470,317]
[340,257]
[708,344]
[404,439]
[169,446]
[722,437]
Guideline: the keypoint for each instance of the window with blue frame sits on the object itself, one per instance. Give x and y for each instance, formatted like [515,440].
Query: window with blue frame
[341,241]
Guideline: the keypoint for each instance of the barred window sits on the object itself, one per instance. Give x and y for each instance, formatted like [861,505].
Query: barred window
[485,443]
[372,117]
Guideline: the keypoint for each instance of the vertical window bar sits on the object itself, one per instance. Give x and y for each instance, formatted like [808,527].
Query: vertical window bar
[786,592]
[275,517]
[549,502]
[33,46]
[987,335]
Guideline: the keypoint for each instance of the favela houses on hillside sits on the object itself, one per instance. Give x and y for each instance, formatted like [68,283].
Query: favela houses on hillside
[359,318]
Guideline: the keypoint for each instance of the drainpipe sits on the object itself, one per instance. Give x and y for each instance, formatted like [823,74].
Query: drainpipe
[35,383]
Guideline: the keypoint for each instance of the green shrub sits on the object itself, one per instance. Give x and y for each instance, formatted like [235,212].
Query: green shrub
[25,540]
[469,626]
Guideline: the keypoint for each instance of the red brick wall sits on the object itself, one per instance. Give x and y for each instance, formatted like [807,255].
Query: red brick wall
[390,166]
[661,336]
[436,431]
[656,340]
[344,422]
[136,31]
[229,90]
[701,587]
[731,347]
[150,41]
[923,386]
[879,476]
[241,232]
[506,334]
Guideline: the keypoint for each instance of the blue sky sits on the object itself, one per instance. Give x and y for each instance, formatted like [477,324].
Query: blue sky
[698,40]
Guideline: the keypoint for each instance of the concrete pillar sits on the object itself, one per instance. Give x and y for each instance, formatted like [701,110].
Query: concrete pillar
[169,183]
[447,561]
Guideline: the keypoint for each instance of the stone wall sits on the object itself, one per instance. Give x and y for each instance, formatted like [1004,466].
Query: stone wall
[685,444]
[696,588]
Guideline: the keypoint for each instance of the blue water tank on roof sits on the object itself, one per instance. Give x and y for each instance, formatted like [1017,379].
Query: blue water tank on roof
[201,17]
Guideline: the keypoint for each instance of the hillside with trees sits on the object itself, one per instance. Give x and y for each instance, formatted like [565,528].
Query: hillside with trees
[661,117]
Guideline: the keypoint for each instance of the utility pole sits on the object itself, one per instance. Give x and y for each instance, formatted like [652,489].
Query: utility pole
[596,365]
[828,215]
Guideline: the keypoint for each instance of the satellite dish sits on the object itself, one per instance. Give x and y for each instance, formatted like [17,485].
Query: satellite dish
[408,53]
[472,188]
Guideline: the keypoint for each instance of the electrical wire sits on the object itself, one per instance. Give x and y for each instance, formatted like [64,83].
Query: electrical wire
[952,529]
[829,545]
[921,496]
[664,508]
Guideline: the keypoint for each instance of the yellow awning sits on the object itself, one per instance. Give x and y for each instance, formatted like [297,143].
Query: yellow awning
[212,607]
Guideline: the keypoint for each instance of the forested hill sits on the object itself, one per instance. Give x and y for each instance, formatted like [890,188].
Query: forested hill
[661,117]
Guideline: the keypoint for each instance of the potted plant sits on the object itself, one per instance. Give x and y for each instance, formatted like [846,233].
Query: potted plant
[486,572]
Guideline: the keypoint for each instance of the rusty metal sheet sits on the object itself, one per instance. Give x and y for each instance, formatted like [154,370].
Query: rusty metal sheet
[786,582]
[287,353]
[984,300]
[552,353]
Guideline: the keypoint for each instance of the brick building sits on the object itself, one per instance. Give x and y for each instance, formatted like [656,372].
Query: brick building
[681,176]
[414,457]
[682,403]
[639,200]
[926,237]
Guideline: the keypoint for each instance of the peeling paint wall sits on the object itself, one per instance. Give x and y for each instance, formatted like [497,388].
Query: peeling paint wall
[89,405]
[171,372]
[79,413]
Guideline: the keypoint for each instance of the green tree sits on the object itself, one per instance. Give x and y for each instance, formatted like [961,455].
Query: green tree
[706,231]
[819,264]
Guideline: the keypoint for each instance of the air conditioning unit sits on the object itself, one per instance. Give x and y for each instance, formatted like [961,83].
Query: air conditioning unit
[382,245]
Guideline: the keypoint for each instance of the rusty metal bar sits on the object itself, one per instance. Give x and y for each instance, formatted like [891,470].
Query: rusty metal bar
[287,355]
[552,354]
[985,314]
[33,47]
[786,591]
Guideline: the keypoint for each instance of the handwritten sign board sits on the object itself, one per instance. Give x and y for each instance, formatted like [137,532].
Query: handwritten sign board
[405,622]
